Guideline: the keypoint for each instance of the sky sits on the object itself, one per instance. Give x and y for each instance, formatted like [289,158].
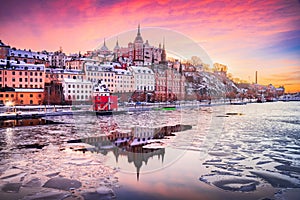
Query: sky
[247,36]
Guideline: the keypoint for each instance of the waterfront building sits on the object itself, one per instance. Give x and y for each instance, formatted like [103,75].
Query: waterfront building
[95,71]
[53,83]
[169,83]
[21,83]
[143,78]
[21,96]
[76,90]
[124,81]
[21,75]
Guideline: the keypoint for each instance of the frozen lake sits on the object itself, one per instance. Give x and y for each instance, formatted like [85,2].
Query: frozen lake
[234,151]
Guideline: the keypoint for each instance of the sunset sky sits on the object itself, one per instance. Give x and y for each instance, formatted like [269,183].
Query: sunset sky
[248,36]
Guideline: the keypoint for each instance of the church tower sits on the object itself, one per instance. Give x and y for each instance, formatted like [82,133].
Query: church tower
[138,48]
[163,53]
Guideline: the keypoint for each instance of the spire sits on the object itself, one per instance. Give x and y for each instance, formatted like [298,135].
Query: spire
[117,44]
[164,43]
[139,30]
[104,47]
[138,38]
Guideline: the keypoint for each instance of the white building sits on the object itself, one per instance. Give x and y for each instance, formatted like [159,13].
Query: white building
[144,78]
[124,81]
[77,90]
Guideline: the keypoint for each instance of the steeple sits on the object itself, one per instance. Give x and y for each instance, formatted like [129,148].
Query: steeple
[139,30]
[117,45]
[138,38]
[163,53]
[104,47]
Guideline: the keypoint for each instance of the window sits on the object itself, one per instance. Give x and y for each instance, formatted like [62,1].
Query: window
[12,95]
[13,73]
[26,79]
[21,95]
[31,74]
[20,79]
[21,102]
[31,102]
[36,73]
[41,80]
[25,73]
[31,95]
[20,73]
[6,95]
[13,79]
[31,80]
[40,96]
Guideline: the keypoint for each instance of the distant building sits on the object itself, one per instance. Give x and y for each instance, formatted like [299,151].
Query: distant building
[220,69]
[57,59]
[4,50]
[137,53]
[28,56]
[76,63]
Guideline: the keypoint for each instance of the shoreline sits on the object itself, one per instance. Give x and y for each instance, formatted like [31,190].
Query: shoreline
[82,109]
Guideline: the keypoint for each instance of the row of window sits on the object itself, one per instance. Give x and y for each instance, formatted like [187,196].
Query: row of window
[144,87]
[21,86]
[79,97]
[21,95]
[78,86]
[25,80]
[78,91]
[99,74]
[25,73]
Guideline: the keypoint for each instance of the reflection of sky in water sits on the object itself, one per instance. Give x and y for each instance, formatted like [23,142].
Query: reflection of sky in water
[9,138]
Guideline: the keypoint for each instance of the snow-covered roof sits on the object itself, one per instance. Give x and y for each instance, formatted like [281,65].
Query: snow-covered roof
[70,80]
[101,87]
[64,71]
[27,54]
[21,65]
[123,72]
[141,70]
[28,90]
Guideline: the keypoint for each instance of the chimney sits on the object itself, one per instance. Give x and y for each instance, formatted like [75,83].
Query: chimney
[256,77]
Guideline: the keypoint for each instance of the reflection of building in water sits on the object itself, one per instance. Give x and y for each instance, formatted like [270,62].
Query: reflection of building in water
[23,122]
[130,143]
